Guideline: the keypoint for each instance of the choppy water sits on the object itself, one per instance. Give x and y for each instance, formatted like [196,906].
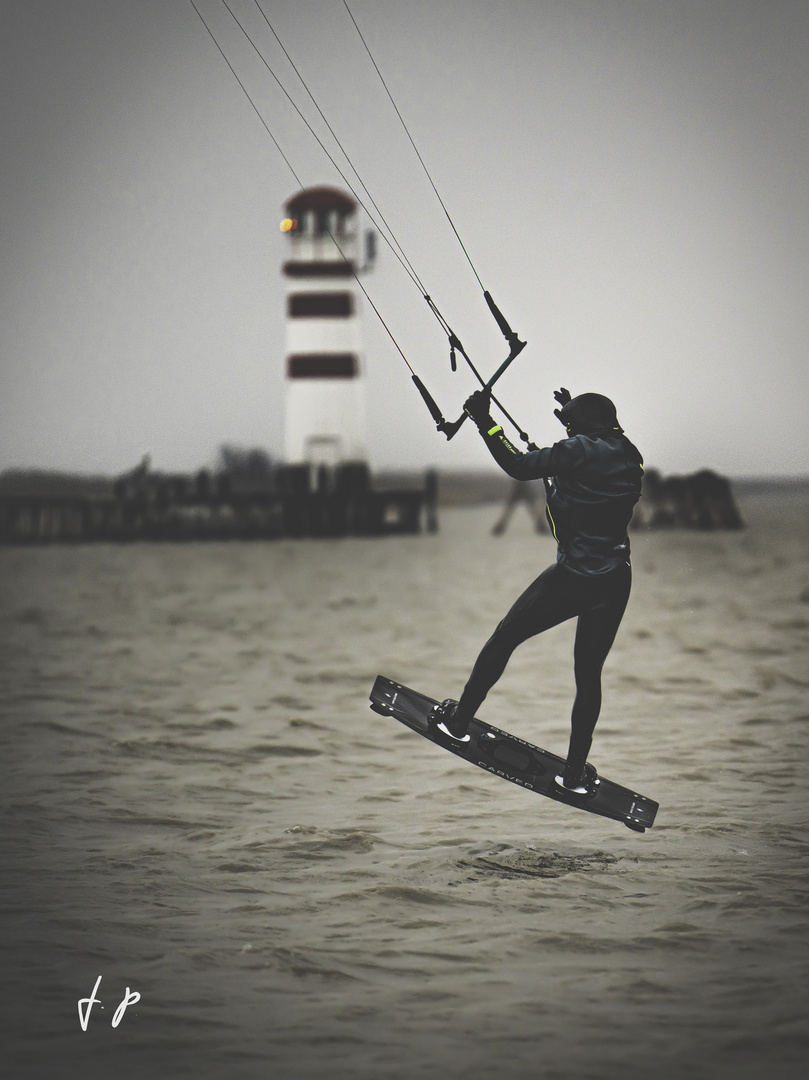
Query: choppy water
[199,805]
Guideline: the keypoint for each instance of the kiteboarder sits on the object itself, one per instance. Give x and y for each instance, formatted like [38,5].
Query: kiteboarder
[592,482]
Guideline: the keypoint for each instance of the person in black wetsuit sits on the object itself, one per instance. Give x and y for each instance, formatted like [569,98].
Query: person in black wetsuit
[592,482]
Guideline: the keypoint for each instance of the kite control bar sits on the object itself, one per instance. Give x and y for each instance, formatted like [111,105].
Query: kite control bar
[451,428]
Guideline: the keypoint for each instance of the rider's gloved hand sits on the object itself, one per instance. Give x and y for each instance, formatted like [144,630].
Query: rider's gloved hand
[563,397]
[478,405]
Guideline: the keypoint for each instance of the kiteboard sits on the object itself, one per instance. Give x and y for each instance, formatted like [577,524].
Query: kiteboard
[511,758]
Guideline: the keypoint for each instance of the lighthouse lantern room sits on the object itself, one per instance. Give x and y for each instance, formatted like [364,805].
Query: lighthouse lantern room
[325,408]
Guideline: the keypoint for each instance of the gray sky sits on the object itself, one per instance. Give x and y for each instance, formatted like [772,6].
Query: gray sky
[630,178]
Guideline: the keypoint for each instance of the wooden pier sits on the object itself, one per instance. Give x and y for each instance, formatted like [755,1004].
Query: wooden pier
[300,503]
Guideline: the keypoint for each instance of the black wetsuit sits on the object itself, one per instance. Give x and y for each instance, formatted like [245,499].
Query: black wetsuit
[592,483]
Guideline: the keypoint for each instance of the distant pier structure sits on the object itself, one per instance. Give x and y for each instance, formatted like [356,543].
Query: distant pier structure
[323,487]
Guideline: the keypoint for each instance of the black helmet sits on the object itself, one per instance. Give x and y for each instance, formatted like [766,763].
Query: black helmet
[588,414]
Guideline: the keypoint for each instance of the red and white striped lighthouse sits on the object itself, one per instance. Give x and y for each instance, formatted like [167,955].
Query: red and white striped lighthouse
[325,408]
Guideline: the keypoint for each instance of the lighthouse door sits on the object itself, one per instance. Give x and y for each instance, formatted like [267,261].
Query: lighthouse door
[323,450]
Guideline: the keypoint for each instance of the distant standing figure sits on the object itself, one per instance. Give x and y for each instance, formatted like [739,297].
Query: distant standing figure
[520,492]
[592,482]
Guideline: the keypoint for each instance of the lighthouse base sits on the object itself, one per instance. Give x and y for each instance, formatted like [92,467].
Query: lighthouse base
[342,501]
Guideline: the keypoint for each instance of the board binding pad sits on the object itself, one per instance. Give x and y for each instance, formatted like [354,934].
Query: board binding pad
[513,759]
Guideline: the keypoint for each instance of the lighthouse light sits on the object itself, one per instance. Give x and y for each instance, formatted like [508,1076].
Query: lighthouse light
[289,224]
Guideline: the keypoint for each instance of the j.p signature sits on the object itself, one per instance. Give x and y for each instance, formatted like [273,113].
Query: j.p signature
[86,1005]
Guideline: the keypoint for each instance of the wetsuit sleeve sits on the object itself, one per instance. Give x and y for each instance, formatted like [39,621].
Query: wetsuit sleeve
[561,459]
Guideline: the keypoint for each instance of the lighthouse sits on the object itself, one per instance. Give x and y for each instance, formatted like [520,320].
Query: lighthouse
[324,377]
